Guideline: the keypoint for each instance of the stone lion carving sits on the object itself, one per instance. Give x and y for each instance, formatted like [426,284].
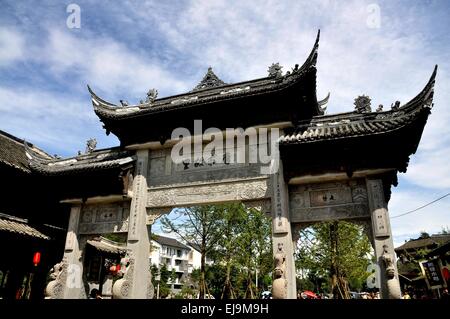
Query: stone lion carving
[279,287]
[58,274]
[392,283]
[122,287]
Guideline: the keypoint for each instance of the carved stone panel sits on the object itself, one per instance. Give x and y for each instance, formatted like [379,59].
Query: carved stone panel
[154,213]
[380,221]
[328,201]
[104,218]
[263,205]
[164,172]
[205,193]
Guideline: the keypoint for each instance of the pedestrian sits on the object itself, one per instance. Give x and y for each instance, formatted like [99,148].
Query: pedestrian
[95,294]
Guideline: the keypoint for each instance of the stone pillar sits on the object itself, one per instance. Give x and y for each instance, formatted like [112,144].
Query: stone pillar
[67,275]
[136,283]
[284,285]
[382,240]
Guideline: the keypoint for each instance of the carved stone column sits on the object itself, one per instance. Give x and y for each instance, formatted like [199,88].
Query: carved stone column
[382,239]
[136,283]
[285,280]
[68,274]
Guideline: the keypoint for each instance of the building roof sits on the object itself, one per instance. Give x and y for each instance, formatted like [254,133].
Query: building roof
[292,94]
[210,89]
[105,245]
[13,152]
[96,161]
[441,250]
[357,123]
[434,240]
[24,156]
[19,226]
[167,241]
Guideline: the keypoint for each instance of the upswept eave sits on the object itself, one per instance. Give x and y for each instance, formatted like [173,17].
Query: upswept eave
[106,110]
[353,124]
[95,161]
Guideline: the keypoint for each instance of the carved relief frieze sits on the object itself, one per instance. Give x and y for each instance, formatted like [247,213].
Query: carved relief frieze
[263,205]
[238,190]
[333,196]
[328,201]
[104,218]
[163,172]
[154,213]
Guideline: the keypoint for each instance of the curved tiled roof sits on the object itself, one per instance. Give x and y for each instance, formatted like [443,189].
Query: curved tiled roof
[207,94]
[355,124]
[19,226]
[95,161]
[434,240]
[12,152]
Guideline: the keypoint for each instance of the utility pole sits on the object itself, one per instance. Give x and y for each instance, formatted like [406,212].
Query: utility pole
[157,279]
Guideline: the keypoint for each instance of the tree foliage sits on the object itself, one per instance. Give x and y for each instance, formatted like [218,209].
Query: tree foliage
[245,251]
[201,226]
[238,239]
[334,256]
[164,277]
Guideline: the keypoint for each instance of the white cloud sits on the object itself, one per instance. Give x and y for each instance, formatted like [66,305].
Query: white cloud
[11,46]
[107,64]
[48,119]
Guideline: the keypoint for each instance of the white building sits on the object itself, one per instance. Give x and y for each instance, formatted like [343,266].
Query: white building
[176,256]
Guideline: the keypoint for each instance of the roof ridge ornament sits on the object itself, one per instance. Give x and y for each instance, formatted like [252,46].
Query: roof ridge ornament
[395,106]
[362,104]
[210,80]
[152,94]
[275,70]
[91,144]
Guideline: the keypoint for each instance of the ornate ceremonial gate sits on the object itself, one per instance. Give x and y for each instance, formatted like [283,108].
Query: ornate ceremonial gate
[159,185]
[331,167]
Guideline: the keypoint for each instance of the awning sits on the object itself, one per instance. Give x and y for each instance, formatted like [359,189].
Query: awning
[108,246]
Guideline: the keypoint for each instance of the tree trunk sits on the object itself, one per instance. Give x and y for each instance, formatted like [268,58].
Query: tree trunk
[202,284]
[339,286]
[227,291]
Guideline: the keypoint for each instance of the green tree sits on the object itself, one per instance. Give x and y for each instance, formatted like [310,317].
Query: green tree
[200,226]
[339,251]
[255,254]
[164,276]
[245,251]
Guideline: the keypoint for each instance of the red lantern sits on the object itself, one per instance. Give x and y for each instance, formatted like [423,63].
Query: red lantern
[114,269]
[36,258]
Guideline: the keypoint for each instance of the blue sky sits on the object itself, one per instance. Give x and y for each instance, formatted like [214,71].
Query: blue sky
[124,48]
